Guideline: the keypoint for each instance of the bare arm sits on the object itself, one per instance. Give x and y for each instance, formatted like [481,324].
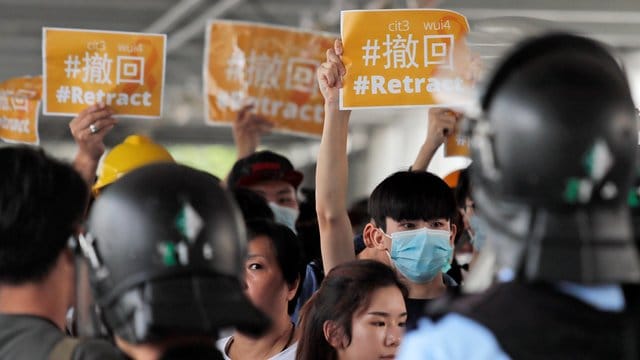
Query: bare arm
[248,129]
[336,236]
[441,124]
[90,145]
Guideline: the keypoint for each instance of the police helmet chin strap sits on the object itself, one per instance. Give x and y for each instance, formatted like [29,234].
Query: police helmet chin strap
[84,248]
[482,274]
[481,134]
[87,246]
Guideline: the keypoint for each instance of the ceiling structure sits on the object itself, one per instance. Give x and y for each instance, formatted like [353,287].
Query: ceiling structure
[495,25]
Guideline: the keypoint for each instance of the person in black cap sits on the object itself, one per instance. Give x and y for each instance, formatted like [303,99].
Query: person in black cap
[554,155]
[272,176]
[165,252]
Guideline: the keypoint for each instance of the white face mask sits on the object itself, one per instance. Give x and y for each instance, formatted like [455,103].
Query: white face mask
[285,215]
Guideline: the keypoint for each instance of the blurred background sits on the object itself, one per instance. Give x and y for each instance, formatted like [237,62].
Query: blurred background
[382,141]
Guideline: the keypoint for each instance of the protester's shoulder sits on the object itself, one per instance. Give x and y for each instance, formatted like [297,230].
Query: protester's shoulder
[452,337]
[95,349]
[29,324]
[287,354]
[27,336]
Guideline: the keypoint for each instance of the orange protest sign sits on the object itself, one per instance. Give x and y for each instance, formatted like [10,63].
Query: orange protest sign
[122,70]
[272,67]
[457,145]
[20,109]
[402,58]
[452,179]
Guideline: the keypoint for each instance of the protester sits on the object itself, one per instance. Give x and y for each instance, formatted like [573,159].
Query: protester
[358,313]
[411,211]
[273,177]
[42,202]
[89,129]
[134,152]
[274,270]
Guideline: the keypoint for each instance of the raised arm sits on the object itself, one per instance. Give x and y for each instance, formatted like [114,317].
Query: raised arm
[88,130]
[336,236]
[248,129]
[441,124]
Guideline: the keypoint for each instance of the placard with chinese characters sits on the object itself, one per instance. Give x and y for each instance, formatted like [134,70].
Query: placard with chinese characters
[273,67]
[403,58]
[457,144]
[20,109]
[122,70]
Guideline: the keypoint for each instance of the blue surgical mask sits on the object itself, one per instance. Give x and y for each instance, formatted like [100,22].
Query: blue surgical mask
[478,227]
[419,255]
[285,215]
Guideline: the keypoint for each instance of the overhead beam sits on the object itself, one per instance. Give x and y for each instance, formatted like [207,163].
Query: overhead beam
[560,15]
[197,26]
[172,16]
[148,5]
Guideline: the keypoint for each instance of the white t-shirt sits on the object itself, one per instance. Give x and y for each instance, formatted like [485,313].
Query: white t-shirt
[288,354]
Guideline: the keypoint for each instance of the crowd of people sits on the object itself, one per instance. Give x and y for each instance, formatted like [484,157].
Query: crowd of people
[533,253]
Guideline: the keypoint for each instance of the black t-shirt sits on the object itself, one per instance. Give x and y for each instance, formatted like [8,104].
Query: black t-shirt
[415,310]
[416,307]
[34,337]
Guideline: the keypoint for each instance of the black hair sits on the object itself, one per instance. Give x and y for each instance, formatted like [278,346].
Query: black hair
[461,192]
[252,205]
[359,215]
[307,227]
[411,195]
[346,289]
[463,188]
[42,201]
[288,251]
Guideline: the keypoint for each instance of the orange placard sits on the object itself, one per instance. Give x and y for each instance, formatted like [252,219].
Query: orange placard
[272,67]
[122,70]
[20,109]
[402,58]
[457,145]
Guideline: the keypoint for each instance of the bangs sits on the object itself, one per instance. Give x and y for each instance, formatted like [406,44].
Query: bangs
[411,196]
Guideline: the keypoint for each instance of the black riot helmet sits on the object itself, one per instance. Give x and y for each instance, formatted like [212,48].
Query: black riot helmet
[166,249]
[554,153]
[634,200]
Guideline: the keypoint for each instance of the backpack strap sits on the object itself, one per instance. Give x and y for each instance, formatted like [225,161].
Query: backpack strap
[317,271]
[63,350]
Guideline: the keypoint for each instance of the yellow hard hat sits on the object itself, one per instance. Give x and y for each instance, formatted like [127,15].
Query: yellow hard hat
[135,151]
